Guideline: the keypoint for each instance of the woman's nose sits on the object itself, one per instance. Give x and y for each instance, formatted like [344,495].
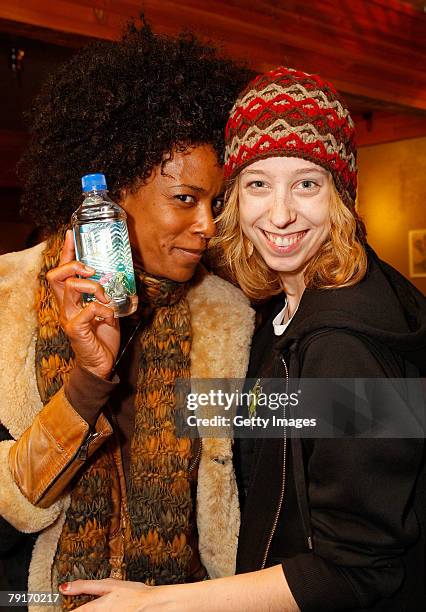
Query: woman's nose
[282,212]
[205,223]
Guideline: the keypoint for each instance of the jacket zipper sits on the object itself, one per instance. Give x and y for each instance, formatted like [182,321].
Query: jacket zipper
[80,454]
[281,500]
[83,451]
[119,573]
[196,459]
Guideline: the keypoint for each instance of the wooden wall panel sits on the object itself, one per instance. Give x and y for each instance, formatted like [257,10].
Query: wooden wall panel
[379,128]
[372,48]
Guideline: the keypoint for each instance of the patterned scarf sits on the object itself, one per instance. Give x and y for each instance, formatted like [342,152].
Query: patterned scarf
[159,495]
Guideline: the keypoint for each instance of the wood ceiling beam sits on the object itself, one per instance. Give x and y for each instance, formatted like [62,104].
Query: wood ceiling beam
[372,48]
[379,127]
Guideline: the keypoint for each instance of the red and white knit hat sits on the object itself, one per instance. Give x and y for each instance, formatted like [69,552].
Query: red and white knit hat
[290,113]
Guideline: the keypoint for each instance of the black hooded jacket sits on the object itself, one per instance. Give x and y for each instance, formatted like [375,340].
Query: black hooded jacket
[344,517]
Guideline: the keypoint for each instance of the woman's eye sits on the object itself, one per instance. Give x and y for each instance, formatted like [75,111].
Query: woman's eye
[307,184]
[185,198]
[256,184]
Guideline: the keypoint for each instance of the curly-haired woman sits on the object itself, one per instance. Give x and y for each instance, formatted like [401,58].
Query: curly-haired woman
[97,467]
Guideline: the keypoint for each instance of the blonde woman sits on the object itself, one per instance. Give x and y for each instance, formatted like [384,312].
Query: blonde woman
[341,515]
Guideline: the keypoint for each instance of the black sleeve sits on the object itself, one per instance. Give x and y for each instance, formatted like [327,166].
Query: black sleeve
[359,494]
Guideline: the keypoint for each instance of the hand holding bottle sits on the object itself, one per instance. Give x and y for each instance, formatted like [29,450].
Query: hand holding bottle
[102,241]
[93,330]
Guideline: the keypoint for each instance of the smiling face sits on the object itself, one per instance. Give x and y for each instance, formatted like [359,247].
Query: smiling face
[285,211]
[170,218]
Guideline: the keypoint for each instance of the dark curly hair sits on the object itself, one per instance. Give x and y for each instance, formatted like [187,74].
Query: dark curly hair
[120,108]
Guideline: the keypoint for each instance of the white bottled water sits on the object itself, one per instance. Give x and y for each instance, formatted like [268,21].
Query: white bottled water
[102,242]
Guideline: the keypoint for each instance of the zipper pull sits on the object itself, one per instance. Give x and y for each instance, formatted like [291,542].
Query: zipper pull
[83,452]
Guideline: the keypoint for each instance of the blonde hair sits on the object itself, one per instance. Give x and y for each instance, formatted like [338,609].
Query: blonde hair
[340,262]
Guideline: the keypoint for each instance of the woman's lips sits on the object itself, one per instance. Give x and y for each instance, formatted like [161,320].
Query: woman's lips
[284,243]
[192,255]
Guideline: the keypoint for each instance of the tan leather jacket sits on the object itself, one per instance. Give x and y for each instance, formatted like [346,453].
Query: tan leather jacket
[53,449]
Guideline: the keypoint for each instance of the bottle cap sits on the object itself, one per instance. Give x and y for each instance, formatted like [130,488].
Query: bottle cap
[93,181]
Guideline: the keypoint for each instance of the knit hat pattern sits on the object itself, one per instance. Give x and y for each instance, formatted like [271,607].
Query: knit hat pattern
[290,113]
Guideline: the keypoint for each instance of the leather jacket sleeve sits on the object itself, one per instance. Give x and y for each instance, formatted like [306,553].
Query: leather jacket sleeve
[53,449]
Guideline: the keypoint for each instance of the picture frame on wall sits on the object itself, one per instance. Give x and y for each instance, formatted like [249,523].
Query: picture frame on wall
[417,253]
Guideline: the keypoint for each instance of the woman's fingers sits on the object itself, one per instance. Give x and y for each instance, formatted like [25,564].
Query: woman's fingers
[95,338]
[68,250]
[82,323]
[68,267]
[68,270]
[73,290]
[89,587]
[57,277]
[113,594]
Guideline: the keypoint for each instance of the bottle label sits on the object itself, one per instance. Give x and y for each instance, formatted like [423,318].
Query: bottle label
[106,248]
